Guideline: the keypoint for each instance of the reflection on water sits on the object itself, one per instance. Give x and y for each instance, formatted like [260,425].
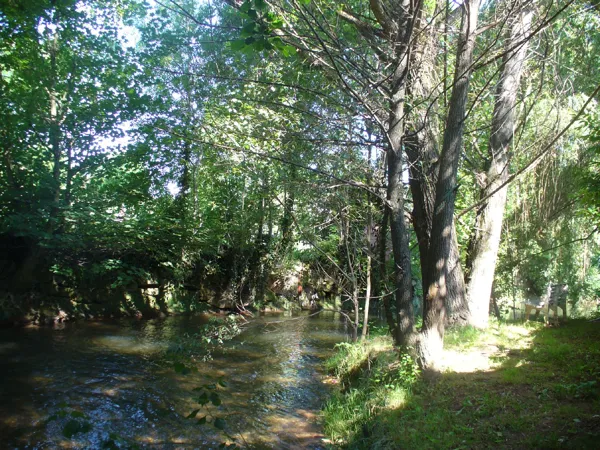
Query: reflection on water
[109,374]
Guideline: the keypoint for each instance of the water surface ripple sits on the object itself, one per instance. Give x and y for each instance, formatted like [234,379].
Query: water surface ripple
[114,376]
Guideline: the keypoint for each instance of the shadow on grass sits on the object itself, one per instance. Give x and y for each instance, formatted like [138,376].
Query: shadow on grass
[544,395]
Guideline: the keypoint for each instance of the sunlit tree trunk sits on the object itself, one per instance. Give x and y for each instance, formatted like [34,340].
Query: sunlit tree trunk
[430,343]
[486,239]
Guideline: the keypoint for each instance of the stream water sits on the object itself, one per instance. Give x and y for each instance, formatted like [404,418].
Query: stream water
[113,386]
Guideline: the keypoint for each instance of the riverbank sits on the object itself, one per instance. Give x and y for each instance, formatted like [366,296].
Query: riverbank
[512,386]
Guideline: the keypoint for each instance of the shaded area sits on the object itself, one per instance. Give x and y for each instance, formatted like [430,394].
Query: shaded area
[118,377]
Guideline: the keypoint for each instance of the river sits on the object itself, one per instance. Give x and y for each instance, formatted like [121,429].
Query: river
[114,385]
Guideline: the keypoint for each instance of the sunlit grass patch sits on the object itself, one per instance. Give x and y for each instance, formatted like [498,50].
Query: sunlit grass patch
[532,387]
[351,357]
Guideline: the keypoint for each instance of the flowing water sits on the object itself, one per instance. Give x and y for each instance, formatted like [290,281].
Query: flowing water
[113,385]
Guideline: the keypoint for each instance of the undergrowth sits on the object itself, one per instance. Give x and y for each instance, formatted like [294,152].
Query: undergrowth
[539,388]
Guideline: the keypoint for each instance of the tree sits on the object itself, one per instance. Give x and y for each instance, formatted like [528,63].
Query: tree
[488,223]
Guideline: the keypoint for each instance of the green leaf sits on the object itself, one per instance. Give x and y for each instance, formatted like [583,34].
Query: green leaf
[245,7]
[181,368]
[237,45]
[219,423]
[203,399]
[193,414]
[276,23]
[215,399]
[248,30]
[202,420]
[261,5]
[288,50]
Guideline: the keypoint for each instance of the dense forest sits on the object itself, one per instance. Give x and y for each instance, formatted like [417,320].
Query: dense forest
[436,162]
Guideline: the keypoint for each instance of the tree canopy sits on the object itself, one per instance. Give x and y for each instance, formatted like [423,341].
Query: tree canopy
[437,157]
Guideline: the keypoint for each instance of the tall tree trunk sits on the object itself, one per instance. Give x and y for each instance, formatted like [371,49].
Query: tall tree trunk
[405,332]
[486,239]
[54,132]
[430,343]
[421,143]
[369,247]
[365,328]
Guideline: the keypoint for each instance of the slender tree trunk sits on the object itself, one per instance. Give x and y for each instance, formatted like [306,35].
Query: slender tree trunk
[402,29]
[287,219]
[54,129]
[405,332]
[382,250]
[430,343]
[355,303]
[488,226]
[369,247]
[367,300]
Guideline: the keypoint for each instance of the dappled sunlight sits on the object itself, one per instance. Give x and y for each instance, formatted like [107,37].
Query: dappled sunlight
[397,399]
[116,382]
[473,361]
[512,386]
[485,350]
[128,345]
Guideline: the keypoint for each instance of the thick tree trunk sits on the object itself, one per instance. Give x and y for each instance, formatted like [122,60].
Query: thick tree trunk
[422,181]
[430,344]
[421,143]
[486,239]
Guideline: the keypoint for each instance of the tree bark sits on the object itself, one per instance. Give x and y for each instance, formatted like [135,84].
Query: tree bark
[395,197]
[399,27]
[382,250]
[365,328]
[421,143]
[430,344]
[488,226]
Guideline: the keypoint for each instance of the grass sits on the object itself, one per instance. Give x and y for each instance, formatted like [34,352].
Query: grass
[512,386]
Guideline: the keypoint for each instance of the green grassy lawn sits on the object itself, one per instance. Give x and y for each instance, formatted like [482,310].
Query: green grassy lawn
[512,386]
